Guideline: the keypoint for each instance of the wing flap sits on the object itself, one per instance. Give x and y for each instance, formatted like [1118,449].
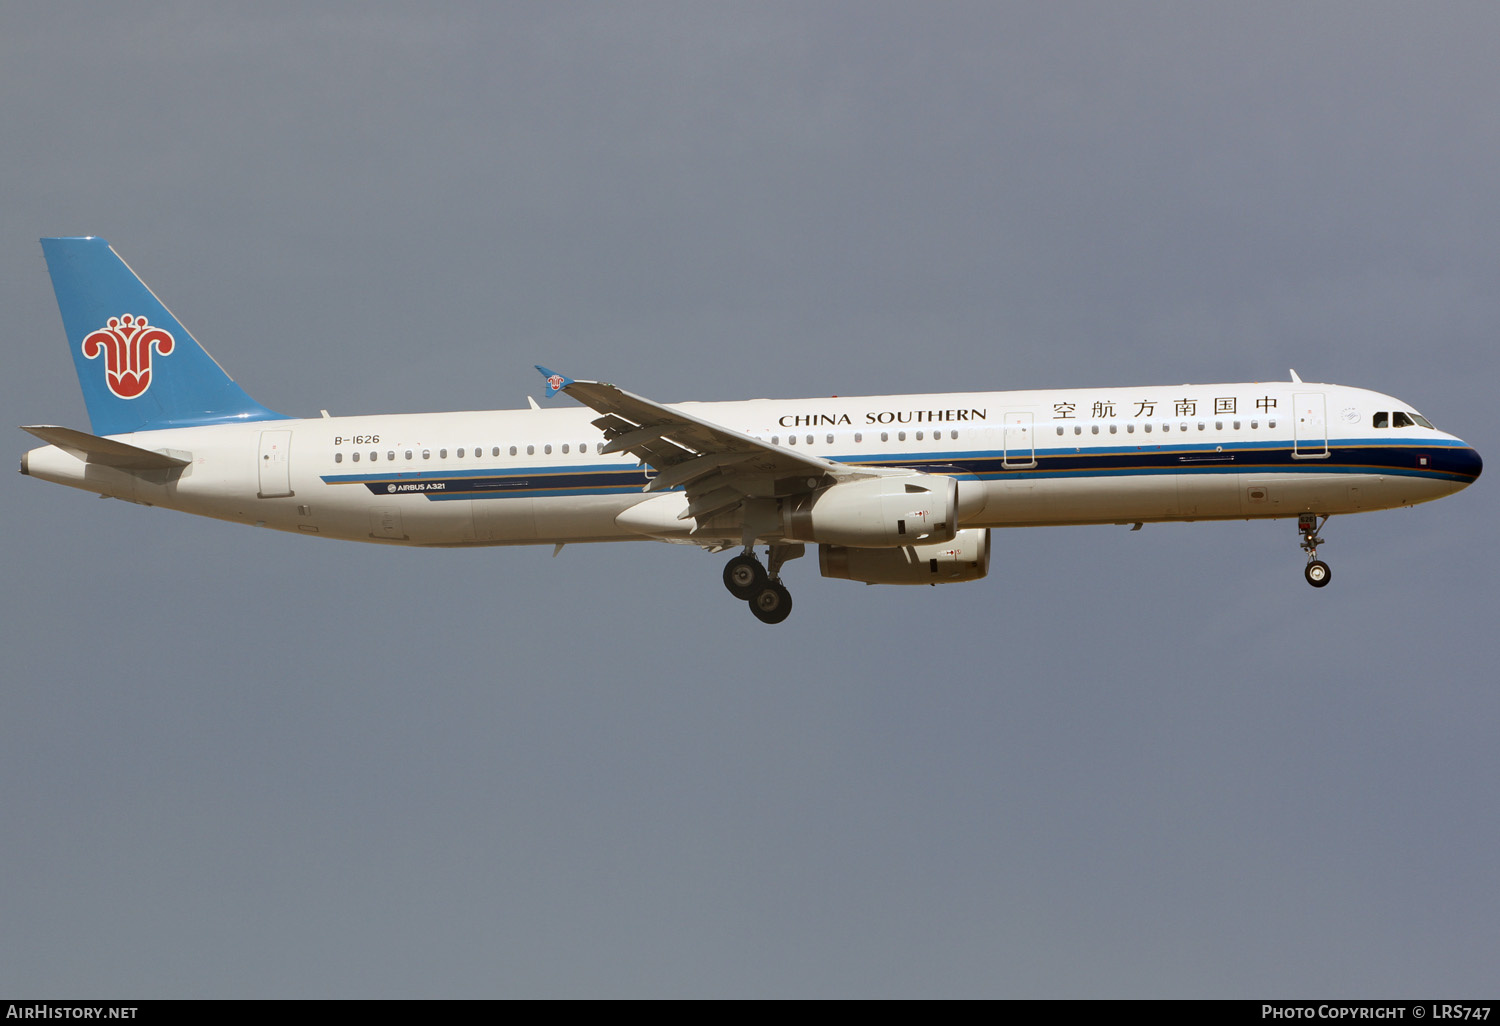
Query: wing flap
[689,471]
[709,503]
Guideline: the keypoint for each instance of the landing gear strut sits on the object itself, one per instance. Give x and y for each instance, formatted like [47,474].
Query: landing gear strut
[762,589]
[1317,572]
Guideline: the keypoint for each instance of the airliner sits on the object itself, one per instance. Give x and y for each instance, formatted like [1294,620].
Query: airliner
[895,489]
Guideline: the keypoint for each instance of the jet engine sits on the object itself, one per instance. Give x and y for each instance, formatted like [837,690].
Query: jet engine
[877,512]
[965,558]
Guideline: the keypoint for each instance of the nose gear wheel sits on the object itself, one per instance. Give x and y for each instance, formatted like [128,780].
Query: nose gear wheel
[1317,572]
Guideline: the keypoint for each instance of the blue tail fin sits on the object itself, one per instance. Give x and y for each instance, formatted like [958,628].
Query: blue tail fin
[139,368]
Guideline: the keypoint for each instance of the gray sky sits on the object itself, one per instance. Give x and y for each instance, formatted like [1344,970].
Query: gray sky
[238,763]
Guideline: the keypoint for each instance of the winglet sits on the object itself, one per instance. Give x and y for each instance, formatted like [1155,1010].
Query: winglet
[555,381]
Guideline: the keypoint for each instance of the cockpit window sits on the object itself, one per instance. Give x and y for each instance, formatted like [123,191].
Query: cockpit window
[1401,420]
[1423,421]
[1382,419]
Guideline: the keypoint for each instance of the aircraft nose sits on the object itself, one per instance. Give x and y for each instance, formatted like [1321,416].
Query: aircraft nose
[1463,462]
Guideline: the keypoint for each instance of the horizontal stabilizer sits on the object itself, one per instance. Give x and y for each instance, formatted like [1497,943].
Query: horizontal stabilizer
[105,451]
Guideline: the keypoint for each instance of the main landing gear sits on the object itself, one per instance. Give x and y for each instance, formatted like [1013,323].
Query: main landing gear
[1317,572]
[750,582]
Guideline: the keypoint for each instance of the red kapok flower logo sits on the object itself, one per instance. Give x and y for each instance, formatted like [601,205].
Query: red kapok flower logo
[126,343]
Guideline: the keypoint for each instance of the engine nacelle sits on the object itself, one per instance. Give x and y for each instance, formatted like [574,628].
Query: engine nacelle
[877,512]
[965,558]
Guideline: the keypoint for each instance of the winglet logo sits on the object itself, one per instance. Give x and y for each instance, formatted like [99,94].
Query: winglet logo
[126,343]
[555,382]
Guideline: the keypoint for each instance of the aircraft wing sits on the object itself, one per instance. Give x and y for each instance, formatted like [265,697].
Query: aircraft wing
[717,466]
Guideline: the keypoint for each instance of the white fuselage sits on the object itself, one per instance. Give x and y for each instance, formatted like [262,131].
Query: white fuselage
[1068,456]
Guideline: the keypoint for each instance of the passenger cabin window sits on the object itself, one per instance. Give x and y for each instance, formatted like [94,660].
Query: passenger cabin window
[338,457]
[408,455]
[354,456]
[427,454]
[531,450]
[565,448]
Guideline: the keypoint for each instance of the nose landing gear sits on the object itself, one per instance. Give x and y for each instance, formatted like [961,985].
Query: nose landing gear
[1317,572]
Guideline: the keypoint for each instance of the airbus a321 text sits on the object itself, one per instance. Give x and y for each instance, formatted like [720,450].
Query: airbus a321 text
[897,489]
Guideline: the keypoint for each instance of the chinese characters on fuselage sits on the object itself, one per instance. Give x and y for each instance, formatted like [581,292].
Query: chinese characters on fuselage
[1105,409]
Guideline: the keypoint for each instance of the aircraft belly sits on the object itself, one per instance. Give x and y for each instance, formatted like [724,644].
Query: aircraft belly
[1196,495]
[1388,491]
[1081,500]
[509,519]
[583,518]
[1280,495]
[1214,494]
[572,518]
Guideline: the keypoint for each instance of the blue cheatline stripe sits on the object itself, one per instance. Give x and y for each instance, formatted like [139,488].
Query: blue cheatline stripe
[1447,462]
